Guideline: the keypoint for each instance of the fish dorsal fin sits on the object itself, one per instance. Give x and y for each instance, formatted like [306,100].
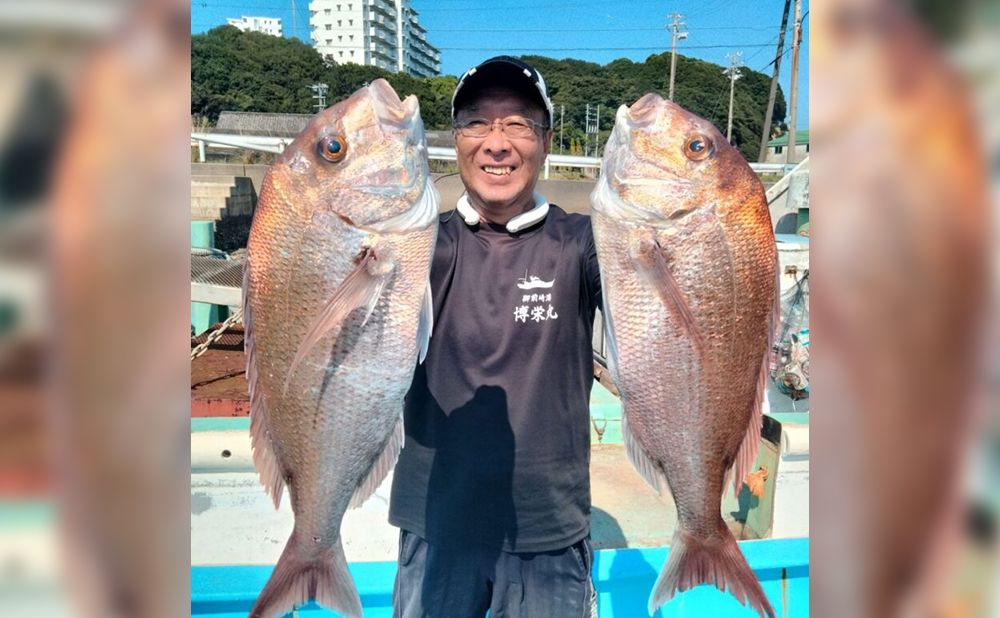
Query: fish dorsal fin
[649,262]
[380,469]
[269,470]
[425,327]
[360,288]
[643,464]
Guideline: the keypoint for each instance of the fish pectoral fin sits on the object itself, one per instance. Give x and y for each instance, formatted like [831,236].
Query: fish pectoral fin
[361,288]
[380,469]
[271,474]
[642,462]
[648,260]
[425,327]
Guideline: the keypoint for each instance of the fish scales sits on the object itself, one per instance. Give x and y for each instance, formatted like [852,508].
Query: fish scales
[688,268]
[336,309]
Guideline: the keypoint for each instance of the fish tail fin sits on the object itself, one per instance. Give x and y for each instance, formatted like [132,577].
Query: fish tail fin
[692,561]
[302,575]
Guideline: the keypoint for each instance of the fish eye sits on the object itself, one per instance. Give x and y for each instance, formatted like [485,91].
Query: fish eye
[698,147]
[333,148]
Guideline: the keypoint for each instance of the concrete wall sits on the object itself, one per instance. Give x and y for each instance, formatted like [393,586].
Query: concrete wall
[570,195]
[254,172]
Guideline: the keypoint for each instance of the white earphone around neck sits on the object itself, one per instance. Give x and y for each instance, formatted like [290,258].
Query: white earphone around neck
[516,224]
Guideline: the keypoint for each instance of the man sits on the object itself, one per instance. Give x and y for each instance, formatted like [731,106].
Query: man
[491,491]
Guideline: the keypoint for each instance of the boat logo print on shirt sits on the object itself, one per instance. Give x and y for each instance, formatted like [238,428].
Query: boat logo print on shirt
[536,306]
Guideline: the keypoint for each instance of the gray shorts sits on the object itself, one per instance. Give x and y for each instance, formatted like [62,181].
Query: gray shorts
[466,581]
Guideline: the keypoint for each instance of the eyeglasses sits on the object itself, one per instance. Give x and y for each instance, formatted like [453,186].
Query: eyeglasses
[513,127]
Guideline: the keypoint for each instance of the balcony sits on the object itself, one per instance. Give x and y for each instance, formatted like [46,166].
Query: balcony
[384,8]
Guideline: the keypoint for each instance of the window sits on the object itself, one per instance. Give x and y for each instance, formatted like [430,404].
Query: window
[350,7]
[351,36]
[329,42]
[338,7]
[350,22]
[339,23]
[326,11]
[340,38]
[329,26]
[807,147]
[341,54]
[777,150]
[352,52]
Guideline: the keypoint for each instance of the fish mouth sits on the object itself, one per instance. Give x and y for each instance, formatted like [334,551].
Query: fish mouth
[624,171]
[644,111]
[625,165]
[389,108]
[402,116]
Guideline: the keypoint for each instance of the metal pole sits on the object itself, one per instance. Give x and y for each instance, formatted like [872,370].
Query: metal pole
[734,74]
[729,124]
[796,40]
[675,34]
[766,133]
[597,133]
[562,111]
[201,151]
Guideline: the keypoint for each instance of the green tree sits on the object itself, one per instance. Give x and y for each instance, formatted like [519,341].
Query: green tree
[251,71]
[248,71]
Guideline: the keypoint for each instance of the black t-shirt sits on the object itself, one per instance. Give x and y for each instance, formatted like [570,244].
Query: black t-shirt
[497,420]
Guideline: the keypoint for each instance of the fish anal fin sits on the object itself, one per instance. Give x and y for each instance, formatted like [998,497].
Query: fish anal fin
[717,561]
[425,327]
[362,287]
[648,259]
[264,458]
[380,469]
[747,454]
[305,574]
[648,469]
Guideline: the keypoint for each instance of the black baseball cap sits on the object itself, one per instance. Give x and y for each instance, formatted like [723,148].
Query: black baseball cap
[505,71]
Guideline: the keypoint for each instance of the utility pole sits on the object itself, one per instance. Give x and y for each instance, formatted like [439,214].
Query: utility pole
[319,93]
[796,41]
[675,34]
[562,112]
[591,123]
[597,131]
[734,74]
[295,29]
[766,134]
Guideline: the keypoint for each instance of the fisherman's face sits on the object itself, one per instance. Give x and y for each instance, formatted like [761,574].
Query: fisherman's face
[500,172]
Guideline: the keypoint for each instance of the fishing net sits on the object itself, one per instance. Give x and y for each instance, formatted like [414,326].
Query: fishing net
[790,372]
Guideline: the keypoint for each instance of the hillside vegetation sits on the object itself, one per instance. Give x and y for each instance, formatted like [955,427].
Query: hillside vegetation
[249,71]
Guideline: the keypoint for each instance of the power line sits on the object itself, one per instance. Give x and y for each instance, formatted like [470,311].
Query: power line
[548,49]
[491,7]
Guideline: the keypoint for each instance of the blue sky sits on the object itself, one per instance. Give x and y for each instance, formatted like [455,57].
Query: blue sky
[469,31]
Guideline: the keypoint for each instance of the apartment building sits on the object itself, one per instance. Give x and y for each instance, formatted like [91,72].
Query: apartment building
[267,25]
[382,33]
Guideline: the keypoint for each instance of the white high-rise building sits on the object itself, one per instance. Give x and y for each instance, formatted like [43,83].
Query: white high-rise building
[267,25]
[382,33]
